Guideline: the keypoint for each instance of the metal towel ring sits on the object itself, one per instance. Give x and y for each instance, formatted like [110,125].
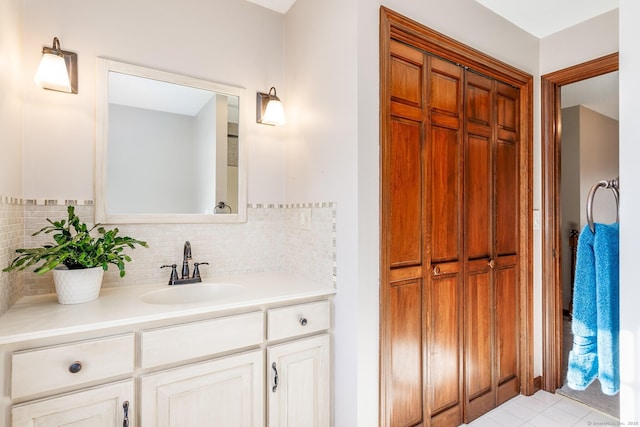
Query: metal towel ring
[613,185]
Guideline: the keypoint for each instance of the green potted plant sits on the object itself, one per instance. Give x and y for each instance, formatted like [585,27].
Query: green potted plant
[77,258]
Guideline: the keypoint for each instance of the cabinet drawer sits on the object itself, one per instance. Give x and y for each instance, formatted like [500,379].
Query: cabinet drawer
[50,368]
[299,319]
[180,343]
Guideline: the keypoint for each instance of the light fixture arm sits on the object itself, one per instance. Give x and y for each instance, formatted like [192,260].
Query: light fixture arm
[56,46]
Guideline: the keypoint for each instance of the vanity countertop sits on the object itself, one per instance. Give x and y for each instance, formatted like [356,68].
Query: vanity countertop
[41,316]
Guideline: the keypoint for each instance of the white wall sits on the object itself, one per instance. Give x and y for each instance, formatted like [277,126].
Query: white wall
[588,40]
[322,163]
[232,42]
[599,142]
[11,98]
[629,212]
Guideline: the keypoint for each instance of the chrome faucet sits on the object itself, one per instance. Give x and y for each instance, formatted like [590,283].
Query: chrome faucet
[185,279]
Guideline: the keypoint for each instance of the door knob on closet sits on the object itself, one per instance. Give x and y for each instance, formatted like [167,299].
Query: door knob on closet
[492,263]
[436,270]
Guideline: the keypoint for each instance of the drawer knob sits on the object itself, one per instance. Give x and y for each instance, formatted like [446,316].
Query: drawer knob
[303,321]
[75,367]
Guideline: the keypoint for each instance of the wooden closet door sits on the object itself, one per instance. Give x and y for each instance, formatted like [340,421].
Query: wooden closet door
[403,333]
[443,293]
[506,272]
[479,304]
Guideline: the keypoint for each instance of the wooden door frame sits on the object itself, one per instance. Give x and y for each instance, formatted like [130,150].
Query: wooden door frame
[398,27]
[551,239]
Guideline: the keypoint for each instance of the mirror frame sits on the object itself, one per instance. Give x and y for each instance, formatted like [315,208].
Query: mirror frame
[102,215]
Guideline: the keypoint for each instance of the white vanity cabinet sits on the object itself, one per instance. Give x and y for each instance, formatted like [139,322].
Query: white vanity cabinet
[175,365]
[299,389]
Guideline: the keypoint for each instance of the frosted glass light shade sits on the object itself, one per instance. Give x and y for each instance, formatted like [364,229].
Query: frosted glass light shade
[52,73]
[58,69]
[269,110]
[274,113]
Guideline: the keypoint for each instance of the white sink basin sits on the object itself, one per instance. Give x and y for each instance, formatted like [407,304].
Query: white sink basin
[193,293]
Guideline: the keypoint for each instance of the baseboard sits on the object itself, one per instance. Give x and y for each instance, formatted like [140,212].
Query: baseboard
[537,384]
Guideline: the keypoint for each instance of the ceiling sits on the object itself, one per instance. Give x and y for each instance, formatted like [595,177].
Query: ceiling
[281,6]
[542,18]
[537,17]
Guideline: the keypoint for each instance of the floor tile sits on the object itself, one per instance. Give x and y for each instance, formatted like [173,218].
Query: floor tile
[542,420]
[535,404]
[520,409]
[485,421]
[573,407]
[505,418]
[546,397]
[562,417]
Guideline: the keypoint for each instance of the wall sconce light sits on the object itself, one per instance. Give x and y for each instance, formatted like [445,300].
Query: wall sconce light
[269,110]
[58,69]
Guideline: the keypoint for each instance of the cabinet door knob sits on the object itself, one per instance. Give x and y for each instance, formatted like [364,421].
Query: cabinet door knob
[275,378]
[492,263]
[75,367]
[436,270]
[303,321]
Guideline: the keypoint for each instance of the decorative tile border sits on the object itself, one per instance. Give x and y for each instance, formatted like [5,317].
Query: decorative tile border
[7,200]
[77,202]
[44,202]
[291,205]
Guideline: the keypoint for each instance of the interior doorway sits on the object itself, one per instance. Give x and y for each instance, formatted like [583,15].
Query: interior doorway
[554,323]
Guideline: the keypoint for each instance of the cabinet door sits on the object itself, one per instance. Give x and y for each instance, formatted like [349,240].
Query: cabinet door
[222,392]
[299,387]
[103,406]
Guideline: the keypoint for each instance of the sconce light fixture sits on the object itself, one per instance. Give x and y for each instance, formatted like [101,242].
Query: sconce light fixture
[58,69]
[269,110]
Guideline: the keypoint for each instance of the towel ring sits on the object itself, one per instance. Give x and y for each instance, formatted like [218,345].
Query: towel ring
[613,185]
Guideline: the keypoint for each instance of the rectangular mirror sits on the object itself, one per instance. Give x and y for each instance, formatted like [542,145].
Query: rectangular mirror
[169,148]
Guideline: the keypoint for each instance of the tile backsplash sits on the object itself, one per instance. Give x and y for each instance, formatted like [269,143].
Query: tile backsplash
[11,237]
[299,238]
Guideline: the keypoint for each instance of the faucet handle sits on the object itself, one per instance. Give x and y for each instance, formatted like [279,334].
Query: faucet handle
[196,270]
[174,273]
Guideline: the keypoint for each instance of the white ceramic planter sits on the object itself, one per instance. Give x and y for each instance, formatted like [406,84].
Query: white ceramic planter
[77,286]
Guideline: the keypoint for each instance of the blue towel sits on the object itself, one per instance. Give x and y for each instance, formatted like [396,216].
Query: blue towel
[596,324]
